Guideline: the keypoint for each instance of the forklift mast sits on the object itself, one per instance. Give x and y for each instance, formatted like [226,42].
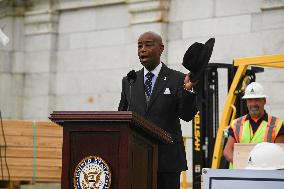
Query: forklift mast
[206,121]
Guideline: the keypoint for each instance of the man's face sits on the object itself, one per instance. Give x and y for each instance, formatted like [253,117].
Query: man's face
[256,106]
[150,49]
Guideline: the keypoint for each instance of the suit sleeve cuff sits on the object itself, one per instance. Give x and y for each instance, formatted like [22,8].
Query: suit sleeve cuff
[189,90]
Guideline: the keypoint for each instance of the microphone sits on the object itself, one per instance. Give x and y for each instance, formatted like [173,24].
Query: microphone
[131,78]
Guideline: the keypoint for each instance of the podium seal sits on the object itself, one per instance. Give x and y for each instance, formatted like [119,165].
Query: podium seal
[92,172]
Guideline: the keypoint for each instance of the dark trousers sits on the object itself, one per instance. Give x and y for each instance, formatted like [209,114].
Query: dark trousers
[169,180]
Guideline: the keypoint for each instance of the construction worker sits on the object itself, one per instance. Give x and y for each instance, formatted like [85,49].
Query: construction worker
[255,127]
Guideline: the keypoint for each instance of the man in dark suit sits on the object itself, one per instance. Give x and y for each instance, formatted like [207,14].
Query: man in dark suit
[161,95]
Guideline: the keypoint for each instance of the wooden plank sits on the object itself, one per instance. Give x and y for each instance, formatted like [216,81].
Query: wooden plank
[28,141]
[24,131]
[26,173]
[29,180]
[241,153]
[26,128]
[53,177]
[28,152]
[42,124]
[31,169]
[29,162]
[20,175]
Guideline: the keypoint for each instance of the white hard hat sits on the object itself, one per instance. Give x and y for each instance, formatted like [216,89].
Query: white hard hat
[266,156]
[254,90]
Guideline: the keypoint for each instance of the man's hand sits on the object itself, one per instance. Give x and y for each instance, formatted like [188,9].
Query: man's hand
[187,83]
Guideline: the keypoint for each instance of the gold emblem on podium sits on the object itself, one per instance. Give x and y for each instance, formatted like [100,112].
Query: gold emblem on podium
[92,172]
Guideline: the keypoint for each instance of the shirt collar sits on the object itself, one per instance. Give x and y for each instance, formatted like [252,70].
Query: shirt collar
[156,71]
[263,117]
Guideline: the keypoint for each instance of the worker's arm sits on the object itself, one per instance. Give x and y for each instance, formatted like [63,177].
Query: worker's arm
[279,139]
[229,149]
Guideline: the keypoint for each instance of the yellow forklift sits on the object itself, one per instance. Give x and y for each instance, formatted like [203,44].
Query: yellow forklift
[208,133]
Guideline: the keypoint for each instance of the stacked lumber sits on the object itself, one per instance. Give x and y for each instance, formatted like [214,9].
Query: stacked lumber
[33,151]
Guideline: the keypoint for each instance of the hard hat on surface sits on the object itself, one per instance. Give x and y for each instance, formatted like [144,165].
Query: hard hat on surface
[254,90]
[266,156]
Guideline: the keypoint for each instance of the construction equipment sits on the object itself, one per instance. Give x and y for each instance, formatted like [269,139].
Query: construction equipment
[208,133]
[276,61]
[205,123]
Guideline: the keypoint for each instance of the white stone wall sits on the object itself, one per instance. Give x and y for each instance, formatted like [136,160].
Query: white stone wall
[11,65]
[94,51]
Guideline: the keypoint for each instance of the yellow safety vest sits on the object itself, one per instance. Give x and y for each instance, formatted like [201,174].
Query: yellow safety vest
[267,131]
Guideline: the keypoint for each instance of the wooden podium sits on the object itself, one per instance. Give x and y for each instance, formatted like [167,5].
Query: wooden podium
[124,141]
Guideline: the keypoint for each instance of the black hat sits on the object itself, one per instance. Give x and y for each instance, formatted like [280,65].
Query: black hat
[197,57]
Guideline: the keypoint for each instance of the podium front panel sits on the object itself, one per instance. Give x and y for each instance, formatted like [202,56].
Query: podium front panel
[131,157]
[85,144]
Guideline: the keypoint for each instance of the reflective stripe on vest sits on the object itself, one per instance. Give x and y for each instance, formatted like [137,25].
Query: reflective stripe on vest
[270,128]
[267,131]
[237,127]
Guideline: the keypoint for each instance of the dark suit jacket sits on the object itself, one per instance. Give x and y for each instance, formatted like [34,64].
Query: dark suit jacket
[164,110]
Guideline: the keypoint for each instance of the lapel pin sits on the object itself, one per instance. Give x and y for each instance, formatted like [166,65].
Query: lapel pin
[165,78]
[167,91]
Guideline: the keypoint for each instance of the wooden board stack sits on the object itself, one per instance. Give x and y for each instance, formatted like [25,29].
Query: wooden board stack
[33,151]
